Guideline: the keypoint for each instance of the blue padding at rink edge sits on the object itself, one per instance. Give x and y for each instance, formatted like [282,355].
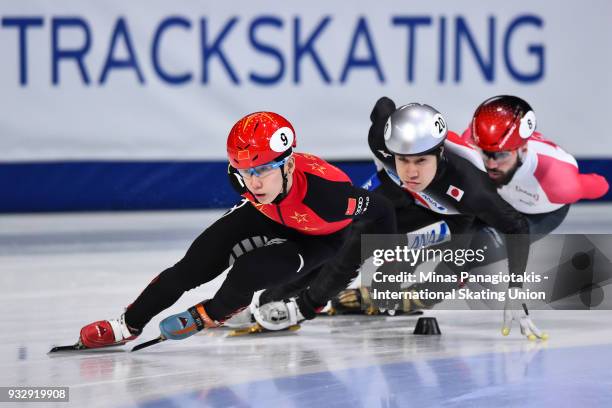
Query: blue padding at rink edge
[536,377]
[110,185]
[119,185]
[159,185]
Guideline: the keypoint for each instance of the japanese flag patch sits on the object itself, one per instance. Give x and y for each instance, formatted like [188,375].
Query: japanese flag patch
[455,192]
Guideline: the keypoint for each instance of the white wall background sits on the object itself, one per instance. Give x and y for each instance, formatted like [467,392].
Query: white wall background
[125,119]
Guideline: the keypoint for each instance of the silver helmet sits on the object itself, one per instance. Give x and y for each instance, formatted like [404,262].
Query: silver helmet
[415,129]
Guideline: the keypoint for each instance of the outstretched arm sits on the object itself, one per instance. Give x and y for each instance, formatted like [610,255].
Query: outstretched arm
[564,184]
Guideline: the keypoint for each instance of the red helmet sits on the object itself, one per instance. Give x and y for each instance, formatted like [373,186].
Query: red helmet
[503,123]
[260,138]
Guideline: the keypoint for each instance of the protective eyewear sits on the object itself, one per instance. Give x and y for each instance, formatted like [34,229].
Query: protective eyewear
[497,156]
[263,170]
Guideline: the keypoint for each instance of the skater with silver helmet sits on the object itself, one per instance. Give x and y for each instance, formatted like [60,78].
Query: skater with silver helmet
[433,189]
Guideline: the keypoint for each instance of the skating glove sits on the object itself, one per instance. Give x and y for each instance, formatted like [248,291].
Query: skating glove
[516,310]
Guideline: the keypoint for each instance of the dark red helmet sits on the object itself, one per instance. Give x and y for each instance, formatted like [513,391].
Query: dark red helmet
[260,138]
[502,123]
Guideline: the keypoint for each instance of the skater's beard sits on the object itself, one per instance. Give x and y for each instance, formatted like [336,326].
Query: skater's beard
[500,178]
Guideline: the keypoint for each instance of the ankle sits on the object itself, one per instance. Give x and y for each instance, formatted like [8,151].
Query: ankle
[121,330]
[209,323]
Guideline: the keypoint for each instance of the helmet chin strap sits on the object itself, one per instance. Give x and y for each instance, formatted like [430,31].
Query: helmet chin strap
[521,156]
[440,156]
[284,192]
[440,162]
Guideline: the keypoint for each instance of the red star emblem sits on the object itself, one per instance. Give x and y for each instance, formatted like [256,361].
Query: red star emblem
[317,167]
[261,207]
[299,218]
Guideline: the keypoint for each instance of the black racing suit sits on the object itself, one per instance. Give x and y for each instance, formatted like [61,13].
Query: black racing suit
[484,235]
[267,244]
[477,197]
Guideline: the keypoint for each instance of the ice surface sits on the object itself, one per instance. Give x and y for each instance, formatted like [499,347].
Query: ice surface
[59,272]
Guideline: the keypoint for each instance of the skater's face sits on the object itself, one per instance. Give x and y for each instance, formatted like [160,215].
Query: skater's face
[501,165]
[268,184]
[416,172]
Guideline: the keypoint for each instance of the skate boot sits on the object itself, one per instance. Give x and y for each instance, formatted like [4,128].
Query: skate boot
[281,315]
[244,318]
[240,320]
[106,333]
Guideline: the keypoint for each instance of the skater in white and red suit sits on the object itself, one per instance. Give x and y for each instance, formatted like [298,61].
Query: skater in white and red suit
[532,173]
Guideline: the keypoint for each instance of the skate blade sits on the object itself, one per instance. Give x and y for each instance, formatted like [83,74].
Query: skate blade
[258,329]
[72,347]
[156,340]
[414,313]
[78,346]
